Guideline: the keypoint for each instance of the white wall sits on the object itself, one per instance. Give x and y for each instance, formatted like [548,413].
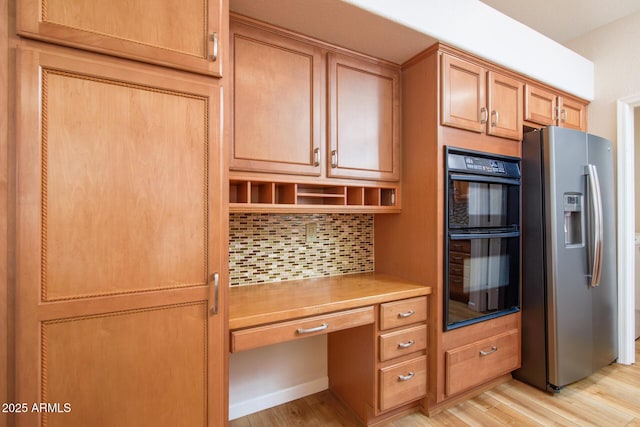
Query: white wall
[615,52]
[636,152]
[479,29]
[272,375]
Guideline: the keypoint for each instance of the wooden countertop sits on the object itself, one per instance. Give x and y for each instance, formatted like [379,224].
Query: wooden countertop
[253,305]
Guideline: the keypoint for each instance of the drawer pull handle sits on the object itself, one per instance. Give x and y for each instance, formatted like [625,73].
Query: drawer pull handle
[406,344]
[486,353]
[406,314]
[406,377]
[322,327]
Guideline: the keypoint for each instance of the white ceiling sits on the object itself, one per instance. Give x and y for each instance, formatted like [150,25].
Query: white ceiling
[564,20]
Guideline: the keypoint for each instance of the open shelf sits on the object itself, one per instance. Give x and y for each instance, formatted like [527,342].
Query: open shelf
[265,196]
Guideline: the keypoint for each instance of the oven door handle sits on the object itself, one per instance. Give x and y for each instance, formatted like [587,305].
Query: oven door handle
[469,236]
[481,178]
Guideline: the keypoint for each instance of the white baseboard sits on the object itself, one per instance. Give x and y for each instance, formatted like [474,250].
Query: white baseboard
[276,398]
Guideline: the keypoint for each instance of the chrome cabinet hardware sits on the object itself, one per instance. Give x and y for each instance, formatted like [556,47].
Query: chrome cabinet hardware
[322,327]
[334,159]
[486,353]
[214,38]
[406,377]
[316,157]
[214,293]
[406,344]
[563,115]
[406,314]
[485,115]
[494,122]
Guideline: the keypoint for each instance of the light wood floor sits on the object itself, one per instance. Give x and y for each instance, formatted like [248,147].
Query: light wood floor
[609,398]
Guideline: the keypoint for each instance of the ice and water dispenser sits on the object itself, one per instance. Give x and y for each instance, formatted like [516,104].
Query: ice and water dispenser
[573,220]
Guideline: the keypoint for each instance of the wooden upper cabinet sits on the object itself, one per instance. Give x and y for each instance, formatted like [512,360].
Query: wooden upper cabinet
[276,103]
[548,108]
[572,114]
[540,105]
[505,106]
[480,100]
[122,227]
[183,34]
[364,124]
[463,94]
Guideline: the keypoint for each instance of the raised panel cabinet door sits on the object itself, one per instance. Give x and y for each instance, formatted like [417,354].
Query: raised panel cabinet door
[276,103]
[505,106]
[183,34]
[364,119]
[463,101]
[572,114]
[539,105]
[120,243]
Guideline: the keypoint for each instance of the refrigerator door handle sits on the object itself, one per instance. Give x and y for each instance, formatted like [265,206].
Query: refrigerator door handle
[598,225]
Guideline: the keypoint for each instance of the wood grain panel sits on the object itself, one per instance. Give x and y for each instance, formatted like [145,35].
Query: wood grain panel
[124,191]
[463,94]
[364,124]
[276,103]
[99,144]
[302,328]
[131,354]
[176,33]
[572,114]
[539,105]
[480,361]
[404,341]
[404,312]
[395,391]
[505,106]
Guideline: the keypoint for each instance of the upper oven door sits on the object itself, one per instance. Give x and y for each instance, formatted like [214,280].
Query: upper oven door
[480,202]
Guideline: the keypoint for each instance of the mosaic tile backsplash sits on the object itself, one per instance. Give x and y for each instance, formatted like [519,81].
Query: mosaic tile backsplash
[273,247]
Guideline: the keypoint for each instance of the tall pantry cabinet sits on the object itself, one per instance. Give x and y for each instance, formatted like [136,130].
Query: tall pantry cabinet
[121,220]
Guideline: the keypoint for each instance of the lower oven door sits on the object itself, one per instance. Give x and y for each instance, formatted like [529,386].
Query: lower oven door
[482,277]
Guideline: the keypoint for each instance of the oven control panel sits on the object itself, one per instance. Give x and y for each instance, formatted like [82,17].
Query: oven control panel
[478,163]
[485,165]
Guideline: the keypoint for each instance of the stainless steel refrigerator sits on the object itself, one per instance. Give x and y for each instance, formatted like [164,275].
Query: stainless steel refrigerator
[569,287]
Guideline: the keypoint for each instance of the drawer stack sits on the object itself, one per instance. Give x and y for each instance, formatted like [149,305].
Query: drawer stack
[402,362]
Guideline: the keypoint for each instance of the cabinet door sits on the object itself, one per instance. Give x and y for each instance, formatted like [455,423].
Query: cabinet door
[121,231]
[276,112]
[539,105]
[463,95]
[364,120]
[505,106]
[184,34]
[572,114]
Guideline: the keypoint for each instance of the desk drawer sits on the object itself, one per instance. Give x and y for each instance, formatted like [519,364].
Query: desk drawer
[403,312]
[481,361]
[259,336]
[405,341]
[403,383]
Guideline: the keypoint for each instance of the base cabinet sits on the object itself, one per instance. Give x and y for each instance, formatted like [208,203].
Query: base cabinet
[470,365]
[121,220]
[380,369]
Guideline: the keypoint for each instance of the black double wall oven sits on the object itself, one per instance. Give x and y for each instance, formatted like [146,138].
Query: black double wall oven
[482,245]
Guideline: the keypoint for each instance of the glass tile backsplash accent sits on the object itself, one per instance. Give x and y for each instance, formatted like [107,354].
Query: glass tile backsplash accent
[274,247]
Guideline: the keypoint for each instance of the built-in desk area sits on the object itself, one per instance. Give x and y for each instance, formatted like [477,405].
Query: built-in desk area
[376,326]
